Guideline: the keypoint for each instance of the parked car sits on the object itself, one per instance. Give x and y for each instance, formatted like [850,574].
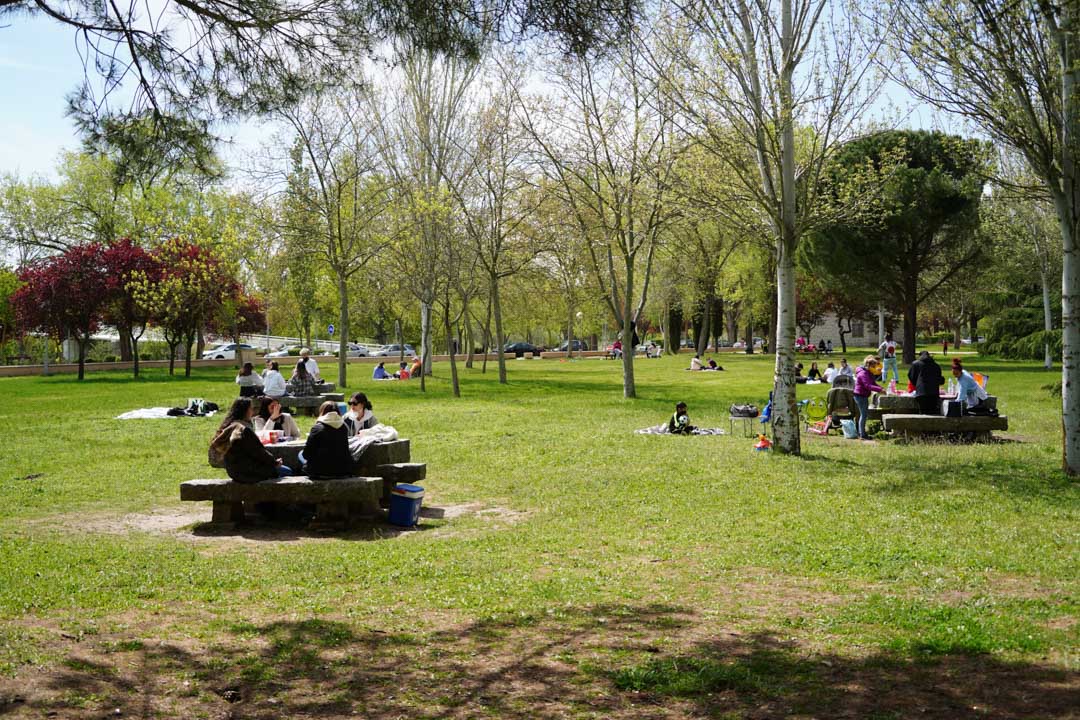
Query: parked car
[226,351]
[521,349]
[285,351]
[967,341]
[579,346]
[357,350]
[392,350]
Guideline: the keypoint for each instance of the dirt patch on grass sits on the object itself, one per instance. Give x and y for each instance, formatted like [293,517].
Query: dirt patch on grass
[191,523]
[600,661]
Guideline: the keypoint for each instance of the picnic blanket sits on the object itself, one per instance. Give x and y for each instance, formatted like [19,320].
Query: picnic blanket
[154,413]
[663,430]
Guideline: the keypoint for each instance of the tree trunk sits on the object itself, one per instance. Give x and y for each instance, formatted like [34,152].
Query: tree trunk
[629,388]
[450,346]
[911,309]
[880,323]
[487,339]
[748,339]
[469,339]
[124,342]
[705,330]
[842,333]
[82,356]
[172,357]
[1048,319]
[190,340]
[569,330]
[425,343]
[343,331]
[673,337]
[496,308]
[135,354]
[201,347]
[785,417]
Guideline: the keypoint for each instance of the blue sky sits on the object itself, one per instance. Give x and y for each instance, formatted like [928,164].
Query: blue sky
[40,66]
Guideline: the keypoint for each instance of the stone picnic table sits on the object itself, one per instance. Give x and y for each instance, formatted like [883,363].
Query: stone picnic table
[338,501]
[883,404]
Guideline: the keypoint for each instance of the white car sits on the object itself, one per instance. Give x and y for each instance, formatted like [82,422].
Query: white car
[357,350]
[392,350]
[226,351]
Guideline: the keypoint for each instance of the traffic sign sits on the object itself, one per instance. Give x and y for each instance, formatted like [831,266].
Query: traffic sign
[330,329]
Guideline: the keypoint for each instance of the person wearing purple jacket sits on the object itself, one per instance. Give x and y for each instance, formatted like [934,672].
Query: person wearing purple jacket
[864,385]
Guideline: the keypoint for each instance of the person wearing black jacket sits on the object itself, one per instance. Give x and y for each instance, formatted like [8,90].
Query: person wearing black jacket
[245,459]
[326,453]
[925,375]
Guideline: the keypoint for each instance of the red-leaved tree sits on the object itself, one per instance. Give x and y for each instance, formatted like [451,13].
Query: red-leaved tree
[64,295]
[126,263]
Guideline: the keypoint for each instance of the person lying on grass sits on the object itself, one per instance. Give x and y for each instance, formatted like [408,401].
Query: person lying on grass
[237,448]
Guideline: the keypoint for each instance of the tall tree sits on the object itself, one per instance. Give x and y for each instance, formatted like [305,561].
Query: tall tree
[607,143]
[64,295]
[787,80]
[929,187]
[1013,68]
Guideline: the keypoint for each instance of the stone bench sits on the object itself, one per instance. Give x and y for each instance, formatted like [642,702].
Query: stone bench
[912,425]
[309,403]
[337,501]
[403,472]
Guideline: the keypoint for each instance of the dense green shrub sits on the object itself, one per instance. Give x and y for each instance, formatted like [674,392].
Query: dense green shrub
[1017,333]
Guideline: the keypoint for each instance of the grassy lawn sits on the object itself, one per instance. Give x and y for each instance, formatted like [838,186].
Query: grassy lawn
[567,567]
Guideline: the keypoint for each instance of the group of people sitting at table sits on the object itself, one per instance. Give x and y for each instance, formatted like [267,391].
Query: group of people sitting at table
[303,382]
[326,454]
[405,371]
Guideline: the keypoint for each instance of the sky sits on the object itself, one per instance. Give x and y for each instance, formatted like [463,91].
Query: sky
[40,66]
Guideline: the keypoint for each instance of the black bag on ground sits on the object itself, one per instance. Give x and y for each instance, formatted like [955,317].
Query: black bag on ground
[743,411]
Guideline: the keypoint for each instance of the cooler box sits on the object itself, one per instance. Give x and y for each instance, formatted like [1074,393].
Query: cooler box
[405,501]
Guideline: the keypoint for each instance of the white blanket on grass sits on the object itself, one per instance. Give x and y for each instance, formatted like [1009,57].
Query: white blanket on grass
[663,430]
[153,413]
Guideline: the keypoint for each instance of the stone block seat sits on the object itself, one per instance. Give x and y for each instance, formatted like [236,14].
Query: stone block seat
[309,403]
[979,426]
[337,501]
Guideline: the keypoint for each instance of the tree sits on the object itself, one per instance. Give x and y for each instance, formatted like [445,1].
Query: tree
[183,296]
[607,144]
[193,60]
[64,295]
[125,262]
[342,199]
[924,233]
[770,88]
[1013,69]
[9,283]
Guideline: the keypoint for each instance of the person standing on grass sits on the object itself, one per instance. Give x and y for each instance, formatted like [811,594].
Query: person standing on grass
[925,375]
[237,448]
[887,350]
[326,452]
[864,385]
[945,347]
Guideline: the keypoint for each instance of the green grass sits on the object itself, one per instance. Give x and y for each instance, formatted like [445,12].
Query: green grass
[909,552]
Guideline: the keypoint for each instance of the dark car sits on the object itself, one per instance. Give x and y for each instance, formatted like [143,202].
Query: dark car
[521,349]
[579,346]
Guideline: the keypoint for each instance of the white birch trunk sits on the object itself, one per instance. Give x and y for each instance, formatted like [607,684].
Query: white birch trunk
[1048,319]
[343,330]
[425,343]
[1068,206]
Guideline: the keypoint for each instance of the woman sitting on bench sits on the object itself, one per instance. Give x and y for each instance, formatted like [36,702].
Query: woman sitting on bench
[301,384]
[270,417]
[237,445]
[251,384]
[326,453]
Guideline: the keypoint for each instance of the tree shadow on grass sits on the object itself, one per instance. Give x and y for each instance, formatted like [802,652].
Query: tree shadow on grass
[625,661]
[266,530]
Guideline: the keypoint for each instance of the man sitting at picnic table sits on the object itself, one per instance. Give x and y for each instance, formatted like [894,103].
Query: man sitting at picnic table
[312,366]
[925,375]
